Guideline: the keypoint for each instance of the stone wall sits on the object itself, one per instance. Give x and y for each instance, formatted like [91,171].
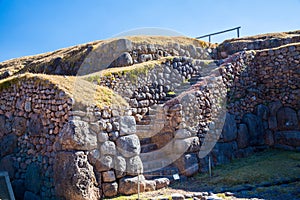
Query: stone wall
[46,139]
[262,102]
[264,41]
[189,108]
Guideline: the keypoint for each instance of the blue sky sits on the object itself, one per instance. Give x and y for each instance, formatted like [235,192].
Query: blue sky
[30,27]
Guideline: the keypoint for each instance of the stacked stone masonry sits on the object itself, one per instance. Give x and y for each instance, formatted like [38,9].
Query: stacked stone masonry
[182,109]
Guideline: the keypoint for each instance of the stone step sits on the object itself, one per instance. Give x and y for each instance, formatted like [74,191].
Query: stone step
[151,122]
[148,147]
[166,172]
[150,127]
[157,164]
[144,133]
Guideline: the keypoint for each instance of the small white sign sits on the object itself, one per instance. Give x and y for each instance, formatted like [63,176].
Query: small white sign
[176,176]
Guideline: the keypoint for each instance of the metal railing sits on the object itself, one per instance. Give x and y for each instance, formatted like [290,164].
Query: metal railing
[220,32]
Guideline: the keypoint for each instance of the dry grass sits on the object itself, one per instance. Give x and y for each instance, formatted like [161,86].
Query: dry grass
[82,91]
[133,70]
[265,36]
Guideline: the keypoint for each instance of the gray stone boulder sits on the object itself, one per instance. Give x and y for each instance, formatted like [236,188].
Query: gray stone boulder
[287,119]
[129,185]
[110,189]
[273,108]
[134,166]
[161,183]
[181,146]
[100,162]
[129,145]
[289,138]
[74,177]
[243,136]
[255,128]
[262,111]
[223,152]
[127,125]
[108,148]
[108,176]
[123,60]
[188,164]
[120,166]
[229,131]
[75,135]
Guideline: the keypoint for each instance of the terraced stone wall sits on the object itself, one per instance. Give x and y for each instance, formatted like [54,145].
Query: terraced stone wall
[46,139]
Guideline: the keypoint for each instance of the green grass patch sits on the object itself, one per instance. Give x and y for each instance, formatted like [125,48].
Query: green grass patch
[263,167]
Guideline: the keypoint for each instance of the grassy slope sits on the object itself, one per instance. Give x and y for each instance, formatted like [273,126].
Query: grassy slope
[82,91]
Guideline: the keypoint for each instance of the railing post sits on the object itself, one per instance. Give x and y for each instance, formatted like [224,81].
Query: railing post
[209,35]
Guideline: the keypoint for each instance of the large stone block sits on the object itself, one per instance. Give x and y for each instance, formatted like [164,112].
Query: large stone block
[108,176]
[110,189]
[243,136]
[134,166]
[108,148]
[75,135]
[120,166]
[255,128]
[229,131]
[287,119]
[273,108]
[123,60]
[191,144]
[74,177]
[187,164]
[129,185]
[129,145]
[289,138]
[127,125]
[262,111]
[223,152]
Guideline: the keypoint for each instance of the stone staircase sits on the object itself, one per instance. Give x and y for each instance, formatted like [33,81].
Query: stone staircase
[158,162]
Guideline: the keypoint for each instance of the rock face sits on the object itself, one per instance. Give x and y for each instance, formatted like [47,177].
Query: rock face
[83,183]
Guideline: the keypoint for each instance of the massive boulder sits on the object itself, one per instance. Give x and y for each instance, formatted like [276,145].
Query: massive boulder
[255,128]
[74,177]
